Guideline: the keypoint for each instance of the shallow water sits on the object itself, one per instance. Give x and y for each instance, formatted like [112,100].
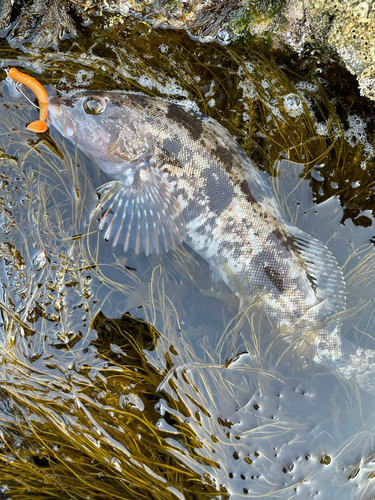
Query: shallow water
[206,402]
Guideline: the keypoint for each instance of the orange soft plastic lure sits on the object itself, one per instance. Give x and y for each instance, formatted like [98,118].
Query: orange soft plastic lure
[38,89]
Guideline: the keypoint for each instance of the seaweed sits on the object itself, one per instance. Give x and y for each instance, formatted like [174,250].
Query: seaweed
[127,376]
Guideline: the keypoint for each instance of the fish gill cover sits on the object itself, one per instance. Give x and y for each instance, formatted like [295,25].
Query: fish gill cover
[128,376]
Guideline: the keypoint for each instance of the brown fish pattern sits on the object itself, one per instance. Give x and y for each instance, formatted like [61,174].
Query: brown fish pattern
[178,175]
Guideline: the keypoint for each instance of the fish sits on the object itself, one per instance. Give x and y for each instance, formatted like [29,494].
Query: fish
[40,93]
[178,175]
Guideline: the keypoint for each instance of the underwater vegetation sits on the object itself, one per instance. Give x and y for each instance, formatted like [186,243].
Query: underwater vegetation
[128,376]
[320,33]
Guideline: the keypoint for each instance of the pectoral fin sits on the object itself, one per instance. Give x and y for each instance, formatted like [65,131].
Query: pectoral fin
[146,218]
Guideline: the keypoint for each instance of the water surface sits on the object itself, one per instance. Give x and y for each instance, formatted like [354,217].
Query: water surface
[128,376]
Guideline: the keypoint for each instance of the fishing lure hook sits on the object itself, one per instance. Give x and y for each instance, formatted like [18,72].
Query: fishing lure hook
[19,87]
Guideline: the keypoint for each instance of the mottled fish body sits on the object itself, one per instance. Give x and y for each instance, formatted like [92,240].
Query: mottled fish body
[178,176]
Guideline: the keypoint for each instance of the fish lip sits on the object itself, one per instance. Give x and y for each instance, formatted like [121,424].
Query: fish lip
[54,113]
[60,119]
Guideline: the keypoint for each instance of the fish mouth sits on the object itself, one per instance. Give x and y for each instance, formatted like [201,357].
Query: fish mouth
[60,119]
[55,115]
[54,108]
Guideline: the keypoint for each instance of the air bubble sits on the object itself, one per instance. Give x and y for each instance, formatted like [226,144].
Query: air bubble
[293,105]
[288,468]
[326,460]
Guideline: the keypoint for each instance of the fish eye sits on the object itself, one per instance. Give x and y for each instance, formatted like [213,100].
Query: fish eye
[94,105]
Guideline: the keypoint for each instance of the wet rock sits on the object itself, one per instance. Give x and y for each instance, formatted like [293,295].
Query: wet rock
[205,19]
[338,28]
[6,8]
[43,23]
[321,31]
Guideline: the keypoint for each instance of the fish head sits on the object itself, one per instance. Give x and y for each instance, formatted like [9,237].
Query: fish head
[115,129]
[107,126]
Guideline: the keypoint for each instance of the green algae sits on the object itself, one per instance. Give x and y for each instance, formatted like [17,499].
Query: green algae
[119,372]
[253,13]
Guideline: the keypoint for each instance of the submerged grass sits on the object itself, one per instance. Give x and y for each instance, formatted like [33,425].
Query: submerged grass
[128,377]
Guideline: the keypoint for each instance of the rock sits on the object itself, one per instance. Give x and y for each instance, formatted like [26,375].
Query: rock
[206,20]
[331,30]
[323,30]
[342,27]
[42,23]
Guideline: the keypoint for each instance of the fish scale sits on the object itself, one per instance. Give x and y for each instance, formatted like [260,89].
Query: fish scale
[178,176]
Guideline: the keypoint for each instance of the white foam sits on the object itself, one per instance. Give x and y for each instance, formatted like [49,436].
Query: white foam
[321,128]
[84,78]
[357,133]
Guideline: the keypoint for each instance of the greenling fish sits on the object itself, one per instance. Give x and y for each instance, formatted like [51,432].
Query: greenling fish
[178,176]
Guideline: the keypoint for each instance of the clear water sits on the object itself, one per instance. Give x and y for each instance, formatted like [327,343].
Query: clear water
[208,401]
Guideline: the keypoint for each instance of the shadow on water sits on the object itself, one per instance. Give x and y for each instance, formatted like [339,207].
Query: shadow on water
[127,376]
